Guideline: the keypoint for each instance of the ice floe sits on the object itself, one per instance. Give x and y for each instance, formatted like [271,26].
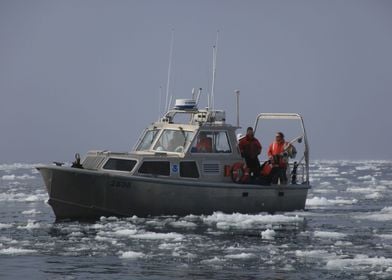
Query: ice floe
[5,225]
[366,190]
[359,262]
[183,224]
[15,177]
[213,261]
[385,236]
[329,234]
[156,235]
[247,221]
[268,234]
[131,255]
[15,166]
[240,256]
[30,225]
[125,232]
[16,251]
[383,215]
[22,197]
[322,201]
[169,246]
[32,212]
[315,254]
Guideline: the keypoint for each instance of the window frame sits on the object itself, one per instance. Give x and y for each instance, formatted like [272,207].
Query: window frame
[214,152]
[188,142]
[119,158]
[154,139]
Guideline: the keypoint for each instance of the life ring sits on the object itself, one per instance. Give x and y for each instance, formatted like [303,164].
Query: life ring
[239,173]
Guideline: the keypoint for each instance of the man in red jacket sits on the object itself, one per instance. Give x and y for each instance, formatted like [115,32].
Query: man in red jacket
[250,148]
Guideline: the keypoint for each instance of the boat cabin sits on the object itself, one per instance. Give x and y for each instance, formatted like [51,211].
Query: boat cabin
[187,143]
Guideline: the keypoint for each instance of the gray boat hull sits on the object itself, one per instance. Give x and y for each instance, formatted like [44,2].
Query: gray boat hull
[85,194]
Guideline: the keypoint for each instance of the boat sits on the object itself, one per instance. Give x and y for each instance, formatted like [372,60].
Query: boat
[166,174]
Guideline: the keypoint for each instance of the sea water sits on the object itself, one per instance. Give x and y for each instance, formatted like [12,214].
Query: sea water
[344,233]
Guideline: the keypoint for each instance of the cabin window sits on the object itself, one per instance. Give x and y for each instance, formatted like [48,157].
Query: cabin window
[155,168]
[174,141]
[147,140]
[211,142]
[120,164]
[189,169]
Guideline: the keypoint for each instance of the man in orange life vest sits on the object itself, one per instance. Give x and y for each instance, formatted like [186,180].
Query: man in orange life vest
[250,148]
[278,153]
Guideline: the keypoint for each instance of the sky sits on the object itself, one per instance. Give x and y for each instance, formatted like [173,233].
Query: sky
[86,75]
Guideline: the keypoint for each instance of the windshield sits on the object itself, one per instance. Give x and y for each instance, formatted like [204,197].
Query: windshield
[174,141]
[147,140]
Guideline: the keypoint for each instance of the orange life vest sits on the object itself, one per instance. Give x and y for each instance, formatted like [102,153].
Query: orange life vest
[275,152]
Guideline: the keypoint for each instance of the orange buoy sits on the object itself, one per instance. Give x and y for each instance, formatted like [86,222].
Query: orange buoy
[239,173]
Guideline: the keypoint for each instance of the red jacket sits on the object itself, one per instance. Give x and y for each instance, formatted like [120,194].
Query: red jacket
[249,147]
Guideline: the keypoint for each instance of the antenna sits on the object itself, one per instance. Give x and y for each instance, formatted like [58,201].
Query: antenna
[169,71]
[170,101]
[237,92]
[198,96]
[214,55]
[160,102]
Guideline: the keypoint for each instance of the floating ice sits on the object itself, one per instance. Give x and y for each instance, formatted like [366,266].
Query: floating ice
[14,177]
[359,262]
[365,190]
[131,255]
[268,234]
[383,215]
[367,167]
[22,197]
[125,232]
[76,234]
[16,251]
[385,236]
[32,198]
[169,246]
[343,243]
[247,221]
[8,177]
[322,201]
[329,234]
[366,178]
[30,225]
[5,225]
[315,254]
[15,166]
[183,224]
[375,195]
[31,212]
[214,260]
[240,256]
[105,239]
[155,235]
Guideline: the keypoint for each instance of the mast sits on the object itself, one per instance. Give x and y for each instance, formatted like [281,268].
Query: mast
[214,55]
[167,104]
[237,92]
[160,103]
